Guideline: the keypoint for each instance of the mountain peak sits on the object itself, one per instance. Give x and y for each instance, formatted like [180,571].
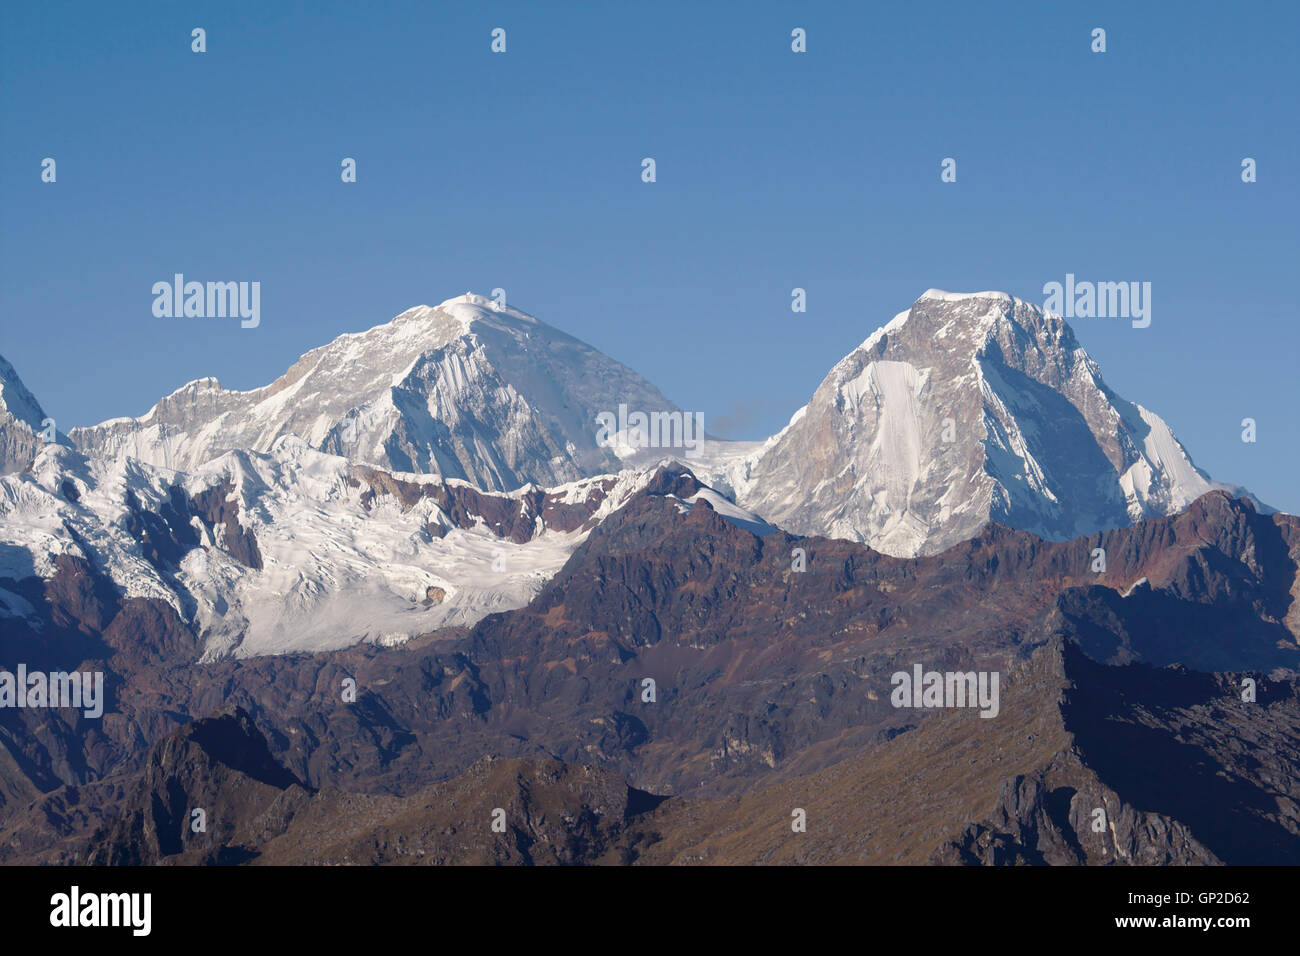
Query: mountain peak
[942,296]
[21,422]
[965,409]
[467,389]
[472,307]
[16,399]
[956,322]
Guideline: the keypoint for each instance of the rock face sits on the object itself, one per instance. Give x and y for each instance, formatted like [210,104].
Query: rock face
[463,390]
[1164,767]
[546,812]
[21,422]
[209,793]
[1087,764]
[963,410]
[1164,754]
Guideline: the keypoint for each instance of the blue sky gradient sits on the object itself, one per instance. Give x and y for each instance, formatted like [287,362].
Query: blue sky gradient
[775,170]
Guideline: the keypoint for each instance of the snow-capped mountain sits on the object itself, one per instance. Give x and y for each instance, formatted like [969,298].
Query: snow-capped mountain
[443,466]
[964,409]
[294,549]
[463,390]
[21,422]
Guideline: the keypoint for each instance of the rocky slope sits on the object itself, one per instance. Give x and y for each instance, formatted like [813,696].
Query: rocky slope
[211,794]
[21,422]
[1182,771]
[1090,765]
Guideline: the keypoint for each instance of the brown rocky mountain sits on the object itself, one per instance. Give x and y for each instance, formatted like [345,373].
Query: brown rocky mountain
[766,677]
[1093,764]
[209,793]
[1184,771]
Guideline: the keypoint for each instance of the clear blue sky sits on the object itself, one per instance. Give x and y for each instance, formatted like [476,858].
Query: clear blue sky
[775,170]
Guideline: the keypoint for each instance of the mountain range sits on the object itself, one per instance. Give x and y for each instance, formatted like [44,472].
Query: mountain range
[428,510]
[961,411]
